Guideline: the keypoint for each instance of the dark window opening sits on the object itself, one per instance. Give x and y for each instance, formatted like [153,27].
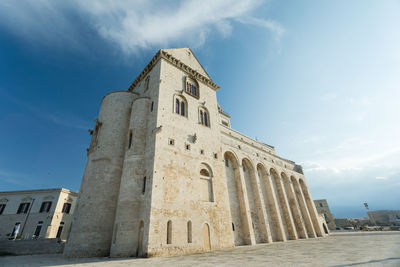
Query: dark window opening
[177,106]
[46,205]
[183,108]
[189,231]
[144,185]
[59,231]
[152,106]
[66,208]
[202,151]
[130,140]
[37,230]
[169,232]
[233,227]
[187,147]
[23,207]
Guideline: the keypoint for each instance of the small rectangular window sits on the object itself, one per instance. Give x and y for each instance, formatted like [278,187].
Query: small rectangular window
[171,142]
[23,207]
[37,230]
[46,205]
[187,147]
[202,151]
[215,155]
[152,106]
[144,185]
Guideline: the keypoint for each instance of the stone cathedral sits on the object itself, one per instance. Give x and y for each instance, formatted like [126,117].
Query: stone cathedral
[166,174]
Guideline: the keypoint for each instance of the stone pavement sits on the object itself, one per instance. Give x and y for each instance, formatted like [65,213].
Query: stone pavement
[339,249]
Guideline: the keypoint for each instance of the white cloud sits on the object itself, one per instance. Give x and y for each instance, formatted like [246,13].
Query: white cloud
[132,25]
[269,24]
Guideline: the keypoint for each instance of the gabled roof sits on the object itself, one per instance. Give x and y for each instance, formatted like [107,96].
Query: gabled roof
[183,59]
[187,56]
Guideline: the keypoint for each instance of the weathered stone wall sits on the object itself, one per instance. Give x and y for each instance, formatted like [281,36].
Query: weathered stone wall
[176,194]
[171,185]
[31,247]
[94,218]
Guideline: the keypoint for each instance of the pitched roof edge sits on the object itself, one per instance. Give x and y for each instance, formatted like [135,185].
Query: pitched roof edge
[177,63]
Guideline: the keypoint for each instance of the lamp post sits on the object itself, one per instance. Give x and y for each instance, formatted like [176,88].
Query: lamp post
[372,217]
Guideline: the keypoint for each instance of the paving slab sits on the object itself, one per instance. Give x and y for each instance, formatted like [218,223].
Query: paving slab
[338,249]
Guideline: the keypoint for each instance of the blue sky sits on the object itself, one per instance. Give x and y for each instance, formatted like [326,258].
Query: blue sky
[319,80]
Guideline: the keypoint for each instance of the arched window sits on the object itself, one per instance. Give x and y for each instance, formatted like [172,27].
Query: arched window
[180,106]
[204,118]
[206,187]
[192,87]
[169,232]
[183,108]
[189,231]
[177,106]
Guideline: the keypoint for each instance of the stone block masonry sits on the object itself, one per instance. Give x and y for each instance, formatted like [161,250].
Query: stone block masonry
[167,175]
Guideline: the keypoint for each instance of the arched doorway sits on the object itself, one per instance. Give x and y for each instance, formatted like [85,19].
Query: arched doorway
[206,237]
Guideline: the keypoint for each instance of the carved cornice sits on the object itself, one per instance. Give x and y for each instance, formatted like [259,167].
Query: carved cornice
[177,63]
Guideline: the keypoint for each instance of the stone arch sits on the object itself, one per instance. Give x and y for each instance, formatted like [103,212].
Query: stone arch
[180,105]
[253,197]
[303,208]
[204,116]
[293,207]
[270,204]
[206,183]
[206,237]
[236,200]
[284,210]
[311,208]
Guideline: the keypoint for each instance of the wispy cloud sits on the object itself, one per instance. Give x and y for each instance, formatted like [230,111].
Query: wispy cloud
[132,25]
[268,24]
[58,118]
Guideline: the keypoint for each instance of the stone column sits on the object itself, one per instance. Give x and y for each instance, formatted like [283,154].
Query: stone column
[293,208]
[311,208]
[245,213]
[304,211]
[261,209]
[274,208]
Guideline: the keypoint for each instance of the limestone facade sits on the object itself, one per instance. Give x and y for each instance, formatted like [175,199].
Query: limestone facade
[167,175]
[323,209]
[44,213]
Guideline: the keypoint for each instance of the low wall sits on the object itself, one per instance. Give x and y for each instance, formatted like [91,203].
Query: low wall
[28,247]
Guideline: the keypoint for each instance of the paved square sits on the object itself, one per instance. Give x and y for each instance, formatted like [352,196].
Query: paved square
[339,249]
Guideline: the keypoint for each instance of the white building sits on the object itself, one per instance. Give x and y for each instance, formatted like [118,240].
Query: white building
[171,176]
[45,213]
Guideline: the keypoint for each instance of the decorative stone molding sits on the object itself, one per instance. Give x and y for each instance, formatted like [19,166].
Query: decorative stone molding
[177,63]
